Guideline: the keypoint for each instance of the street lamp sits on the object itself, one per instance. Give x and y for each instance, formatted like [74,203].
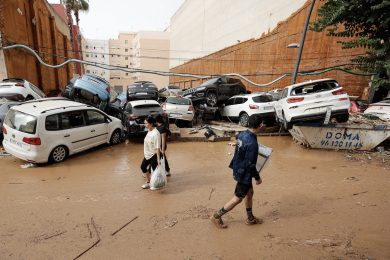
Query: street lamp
[300,45]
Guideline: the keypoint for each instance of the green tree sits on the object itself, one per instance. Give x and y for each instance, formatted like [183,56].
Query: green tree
[360,23]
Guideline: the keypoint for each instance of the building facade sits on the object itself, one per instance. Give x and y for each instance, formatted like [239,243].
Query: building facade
[151,52]
[120,54]
[96,51]
[199,28]
[143,50]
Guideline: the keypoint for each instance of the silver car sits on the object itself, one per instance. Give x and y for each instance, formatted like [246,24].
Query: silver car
[179,108]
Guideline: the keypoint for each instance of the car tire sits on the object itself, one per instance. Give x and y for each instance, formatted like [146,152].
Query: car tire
[211,99]
[244,119]
[59,154]
[342,118]
[116,137]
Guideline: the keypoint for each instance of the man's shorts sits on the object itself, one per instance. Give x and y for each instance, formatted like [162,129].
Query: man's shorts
[242,190]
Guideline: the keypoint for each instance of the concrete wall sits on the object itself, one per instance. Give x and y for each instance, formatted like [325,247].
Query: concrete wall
[215,24]
[266,58]
[96,51]
[34,23]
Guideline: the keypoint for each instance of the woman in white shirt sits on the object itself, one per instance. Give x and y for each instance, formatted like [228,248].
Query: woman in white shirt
[152,144]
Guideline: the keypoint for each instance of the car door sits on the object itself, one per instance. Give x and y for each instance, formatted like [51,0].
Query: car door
[226,111]
[98,127]
[76,131]
[238,106]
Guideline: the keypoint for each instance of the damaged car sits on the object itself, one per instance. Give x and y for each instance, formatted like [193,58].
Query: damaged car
[13,92]
[215,91]
[380,109]
[142,90]
[310,101]
[137,111]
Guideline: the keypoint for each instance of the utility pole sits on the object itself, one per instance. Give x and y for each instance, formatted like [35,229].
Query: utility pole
[295,74]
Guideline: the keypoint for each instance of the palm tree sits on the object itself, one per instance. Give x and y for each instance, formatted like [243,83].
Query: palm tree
[75,6]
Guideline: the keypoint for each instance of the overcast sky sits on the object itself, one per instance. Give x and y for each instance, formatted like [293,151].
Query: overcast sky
[106,19]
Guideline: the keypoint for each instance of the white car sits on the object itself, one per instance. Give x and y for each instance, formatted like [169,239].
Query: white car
[51,129]
[19,90]
[241,107]
[380,109]
[14,92]
[179,108]
[310,101]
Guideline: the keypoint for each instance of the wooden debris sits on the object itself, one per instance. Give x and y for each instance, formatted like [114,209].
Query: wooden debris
[112,234]
[94,244]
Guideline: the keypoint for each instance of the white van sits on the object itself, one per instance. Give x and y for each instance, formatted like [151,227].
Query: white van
[51,129]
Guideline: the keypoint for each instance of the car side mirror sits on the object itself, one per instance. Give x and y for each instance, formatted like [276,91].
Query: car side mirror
[108,120]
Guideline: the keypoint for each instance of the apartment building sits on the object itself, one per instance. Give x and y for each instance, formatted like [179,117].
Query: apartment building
[96,51]
[151,52]
[121,55]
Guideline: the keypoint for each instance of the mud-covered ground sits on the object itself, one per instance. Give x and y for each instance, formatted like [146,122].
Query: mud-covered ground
[316,205]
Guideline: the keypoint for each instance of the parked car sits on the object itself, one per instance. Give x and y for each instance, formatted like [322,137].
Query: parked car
[52,129]
[178,108]
[142,90]
[310,101]
[241,107]
[14,92]
[169,91]
[380,109]
[92,90]
[275,94]
[215,91]
[136,111]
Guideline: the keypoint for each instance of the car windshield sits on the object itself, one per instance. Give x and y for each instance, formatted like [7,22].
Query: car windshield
[20,121]
[314,88]
[11,97]
[145,109]
[173,87]
[262,99]
[86,96]
[113,95]
[178,101]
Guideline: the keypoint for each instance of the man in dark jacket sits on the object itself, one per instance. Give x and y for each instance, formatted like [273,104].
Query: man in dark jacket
[243,165]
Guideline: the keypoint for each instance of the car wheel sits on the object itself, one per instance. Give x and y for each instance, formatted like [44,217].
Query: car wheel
[58,154]
[342,118]
[244,119]
[115,137]
[211,99]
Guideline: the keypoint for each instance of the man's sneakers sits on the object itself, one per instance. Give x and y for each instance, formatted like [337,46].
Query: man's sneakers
[218,222]
[146,185]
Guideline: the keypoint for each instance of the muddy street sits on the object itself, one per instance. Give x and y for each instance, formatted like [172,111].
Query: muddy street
[316,204]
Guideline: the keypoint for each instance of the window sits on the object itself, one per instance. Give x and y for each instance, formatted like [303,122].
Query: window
[86,46]
[20,121]
[87,55]
[126,41]
[102,56]
[126,58]
[52,123]
[240,100]
[262,99]
[284,93]
[94,117]
[126,50]
[37,90]
[72,119]
[229,102]
[88,71]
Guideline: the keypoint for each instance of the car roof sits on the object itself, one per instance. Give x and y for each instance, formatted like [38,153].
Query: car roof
[39,106]
[310,82]
[143,102]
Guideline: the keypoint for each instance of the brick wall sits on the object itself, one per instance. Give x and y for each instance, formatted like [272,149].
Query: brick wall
[266,58]
[34,23]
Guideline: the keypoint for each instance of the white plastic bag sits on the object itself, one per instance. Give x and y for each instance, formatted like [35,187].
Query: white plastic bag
[162,166]
[158,179]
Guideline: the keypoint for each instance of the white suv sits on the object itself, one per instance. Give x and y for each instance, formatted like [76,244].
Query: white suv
[52,129]
[241,107]
[310,101]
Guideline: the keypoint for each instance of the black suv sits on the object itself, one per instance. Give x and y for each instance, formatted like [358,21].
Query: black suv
[142,90]
[216,91]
